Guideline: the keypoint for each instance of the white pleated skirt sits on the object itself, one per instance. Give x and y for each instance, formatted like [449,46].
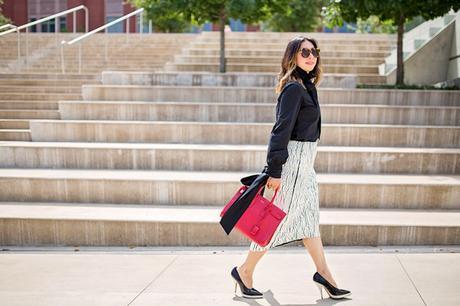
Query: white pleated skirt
[298,197]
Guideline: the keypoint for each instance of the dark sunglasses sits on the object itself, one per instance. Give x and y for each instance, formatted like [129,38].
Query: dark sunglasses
[306,52]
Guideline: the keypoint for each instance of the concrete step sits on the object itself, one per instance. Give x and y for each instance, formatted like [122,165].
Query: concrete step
[39,89]
[14,124]
[281,45]
[48,76]
[192,51]
[210,157]
[213,79]
[254,112]
[364,78]
[243,67]
[231,133]
[324,41]
[29,114]
[234,94]
[49,105]
[289,35]
[181,59]
[15,135]
[30,96]
[216,188]
[61,224]
[46,83]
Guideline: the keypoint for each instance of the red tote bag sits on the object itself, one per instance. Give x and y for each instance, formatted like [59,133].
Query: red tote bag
[260,220]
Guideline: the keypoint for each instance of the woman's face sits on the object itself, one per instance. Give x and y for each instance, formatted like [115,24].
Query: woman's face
[308,63]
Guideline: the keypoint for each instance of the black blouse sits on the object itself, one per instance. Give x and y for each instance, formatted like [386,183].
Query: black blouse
[298,117]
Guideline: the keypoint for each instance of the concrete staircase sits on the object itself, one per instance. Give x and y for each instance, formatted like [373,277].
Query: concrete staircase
[359,54]
[150,158]
[34,91]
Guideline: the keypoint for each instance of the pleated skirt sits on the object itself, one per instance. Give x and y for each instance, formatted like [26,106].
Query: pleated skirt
[298,197]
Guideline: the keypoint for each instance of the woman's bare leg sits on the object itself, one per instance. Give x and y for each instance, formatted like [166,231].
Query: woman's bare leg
[314,246]
[246,270]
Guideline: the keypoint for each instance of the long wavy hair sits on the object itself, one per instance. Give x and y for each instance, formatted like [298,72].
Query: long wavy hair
[289,63]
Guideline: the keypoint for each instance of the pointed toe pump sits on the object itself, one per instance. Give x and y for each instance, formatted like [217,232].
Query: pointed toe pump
[333,292]
[250,293]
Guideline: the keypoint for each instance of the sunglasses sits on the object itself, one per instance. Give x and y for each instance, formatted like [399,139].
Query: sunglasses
[306,52]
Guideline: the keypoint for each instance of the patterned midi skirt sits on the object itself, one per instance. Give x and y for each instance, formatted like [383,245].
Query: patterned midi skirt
[297,196]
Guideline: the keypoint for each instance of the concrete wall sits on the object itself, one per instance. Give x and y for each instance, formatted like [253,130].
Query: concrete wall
[453,71]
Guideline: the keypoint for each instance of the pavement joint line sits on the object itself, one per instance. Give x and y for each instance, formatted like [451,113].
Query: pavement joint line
[155,278]
[410,279]
[226,250]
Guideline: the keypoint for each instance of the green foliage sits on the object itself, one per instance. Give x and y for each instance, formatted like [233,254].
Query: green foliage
[179,15]
[3,19]
[373,25]
[338,11]
[166,15]
[295,16]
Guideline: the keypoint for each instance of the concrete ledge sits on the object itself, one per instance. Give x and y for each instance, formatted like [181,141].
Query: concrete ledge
[15,135]
[216,188]
[265,95]
[89,224]
[255,112]
[230,133]
[210,157]
[213,79]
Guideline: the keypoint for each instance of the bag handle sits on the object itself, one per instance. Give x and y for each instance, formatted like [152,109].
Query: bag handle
[276,191]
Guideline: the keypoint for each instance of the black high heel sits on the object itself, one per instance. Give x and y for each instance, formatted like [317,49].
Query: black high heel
[250,293]
[334,292]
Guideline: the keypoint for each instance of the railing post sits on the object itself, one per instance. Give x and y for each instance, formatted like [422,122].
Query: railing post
[86,20]
[74,21]
[141,26]
[150,26]
[62,58]
[106,55]
[127,30]
[79,58]
[19,50]
[27,48]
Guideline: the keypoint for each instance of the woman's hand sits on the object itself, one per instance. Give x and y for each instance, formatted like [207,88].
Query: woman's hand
[273,183]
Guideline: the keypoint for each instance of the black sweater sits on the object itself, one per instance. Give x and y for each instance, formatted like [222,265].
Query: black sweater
[298,117]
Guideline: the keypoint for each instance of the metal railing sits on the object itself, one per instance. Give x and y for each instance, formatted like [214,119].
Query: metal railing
[39,21]
[6,26]
[104,27]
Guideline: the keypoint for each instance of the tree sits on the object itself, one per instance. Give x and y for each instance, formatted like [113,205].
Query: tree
[165,15]
[296,16]
[3,19]
[199,12]
[397,11]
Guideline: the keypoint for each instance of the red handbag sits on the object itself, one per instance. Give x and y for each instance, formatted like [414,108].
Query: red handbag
[260,220]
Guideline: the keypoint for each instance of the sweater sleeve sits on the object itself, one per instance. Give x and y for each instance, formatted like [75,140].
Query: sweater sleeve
[288,109]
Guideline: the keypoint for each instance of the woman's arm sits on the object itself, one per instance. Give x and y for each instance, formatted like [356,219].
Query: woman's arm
[288,109]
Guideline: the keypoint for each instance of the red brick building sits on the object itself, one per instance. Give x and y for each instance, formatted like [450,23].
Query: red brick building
[100,12]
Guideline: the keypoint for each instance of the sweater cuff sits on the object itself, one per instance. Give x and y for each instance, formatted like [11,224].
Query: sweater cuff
[276,173]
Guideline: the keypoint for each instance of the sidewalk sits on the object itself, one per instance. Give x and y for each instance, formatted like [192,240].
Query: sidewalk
[201,276]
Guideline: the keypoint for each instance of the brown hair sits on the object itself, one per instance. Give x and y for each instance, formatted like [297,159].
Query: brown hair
[289,63]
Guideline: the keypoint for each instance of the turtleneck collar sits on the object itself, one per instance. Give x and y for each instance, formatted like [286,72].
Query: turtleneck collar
[305,76]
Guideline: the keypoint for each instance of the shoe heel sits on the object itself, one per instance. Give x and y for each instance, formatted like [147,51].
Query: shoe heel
[320,289]
[236,284]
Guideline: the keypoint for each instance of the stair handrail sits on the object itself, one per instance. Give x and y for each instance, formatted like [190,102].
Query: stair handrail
[6,26]
[103,27]
[26,26]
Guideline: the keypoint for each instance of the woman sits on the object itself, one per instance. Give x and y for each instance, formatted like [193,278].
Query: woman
[291,155]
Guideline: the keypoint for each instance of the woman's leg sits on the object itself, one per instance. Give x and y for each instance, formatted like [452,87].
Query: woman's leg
[314,246]
[246,270]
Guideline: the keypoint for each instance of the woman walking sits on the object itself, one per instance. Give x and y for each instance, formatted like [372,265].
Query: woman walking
[290,158]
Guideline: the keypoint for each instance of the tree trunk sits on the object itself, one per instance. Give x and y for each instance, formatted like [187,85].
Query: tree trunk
[399,52]
[222,20]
